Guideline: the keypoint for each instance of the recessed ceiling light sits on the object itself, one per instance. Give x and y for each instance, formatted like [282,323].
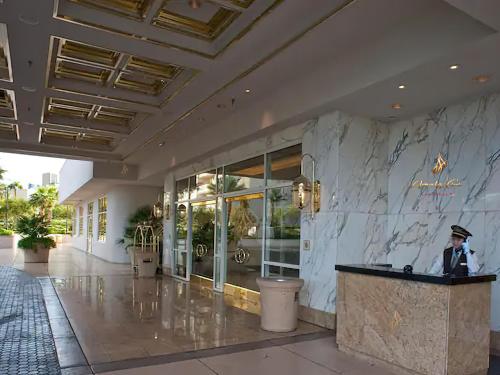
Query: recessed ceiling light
[29,88]
[161,144]
[396,106]
[454,67]
[401,86]
[481,78]
[247,91]
[28,20]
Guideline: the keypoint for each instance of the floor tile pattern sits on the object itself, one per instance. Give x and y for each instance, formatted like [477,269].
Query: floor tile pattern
[26,343]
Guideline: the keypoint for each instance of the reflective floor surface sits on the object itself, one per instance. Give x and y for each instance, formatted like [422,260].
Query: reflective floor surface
[117,317]
[129,326]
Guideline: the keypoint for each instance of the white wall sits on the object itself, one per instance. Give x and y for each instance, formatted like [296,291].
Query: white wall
[73,174]
[123,200]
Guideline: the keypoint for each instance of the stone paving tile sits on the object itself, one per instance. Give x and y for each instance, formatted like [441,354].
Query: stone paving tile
[26,343]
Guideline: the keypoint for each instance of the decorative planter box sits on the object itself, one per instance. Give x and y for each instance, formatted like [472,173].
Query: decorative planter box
[7,242]
[41,255]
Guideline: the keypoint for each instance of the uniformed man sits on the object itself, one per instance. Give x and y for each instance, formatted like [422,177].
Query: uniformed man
[458,260]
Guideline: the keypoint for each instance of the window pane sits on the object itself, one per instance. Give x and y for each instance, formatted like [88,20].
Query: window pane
[283,227]
[102,206]
[80,221]
[274,271]
[284,165]
[244,240]
[203,238]
[204,185]
[244,175]
[182,189]
[181,227]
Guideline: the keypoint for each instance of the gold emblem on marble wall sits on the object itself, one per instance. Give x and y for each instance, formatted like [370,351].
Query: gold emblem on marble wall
[448,182]
[441,164]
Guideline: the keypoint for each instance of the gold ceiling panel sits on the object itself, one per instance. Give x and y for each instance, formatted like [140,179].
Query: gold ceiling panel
[51,135]
[7,109]
[114,115]
[69,108]
[70,69]
[9,132]
[4,65]
[242,3]
[208,30]
[91,54]
[87,111]
[128,8]
[111,69]
[140,82]
[157,69]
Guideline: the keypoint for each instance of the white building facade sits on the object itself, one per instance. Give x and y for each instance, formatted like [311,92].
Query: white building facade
[229,215]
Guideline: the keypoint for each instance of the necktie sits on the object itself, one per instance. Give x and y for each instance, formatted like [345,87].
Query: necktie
[454,258]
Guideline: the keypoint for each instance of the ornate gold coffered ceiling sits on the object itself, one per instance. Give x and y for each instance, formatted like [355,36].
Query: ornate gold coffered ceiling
[117,71]
[7,104]
[9,132]
[75,139]
[70,116]
[128,8]
[172,23]
[5,68]
[207,23]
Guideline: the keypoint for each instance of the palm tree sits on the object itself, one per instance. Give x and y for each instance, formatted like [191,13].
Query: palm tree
[7,189]
[2,172]
[14,186]
[45,199]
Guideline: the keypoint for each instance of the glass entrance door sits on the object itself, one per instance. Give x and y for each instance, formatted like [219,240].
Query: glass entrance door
[203,238]
[182,263]
[244,240]
[90,226]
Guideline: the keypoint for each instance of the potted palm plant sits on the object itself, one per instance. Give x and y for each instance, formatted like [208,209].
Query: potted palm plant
[35,241]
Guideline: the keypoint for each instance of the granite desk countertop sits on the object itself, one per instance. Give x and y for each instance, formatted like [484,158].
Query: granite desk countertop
[386,270]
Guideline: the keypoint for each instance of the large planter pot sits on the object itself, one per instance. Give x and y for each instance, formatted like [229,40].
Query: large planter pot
[7,242]
[40,255]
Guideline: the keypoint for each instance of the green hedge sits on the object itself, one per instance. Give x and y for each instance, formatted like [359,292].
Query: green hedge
[6,232]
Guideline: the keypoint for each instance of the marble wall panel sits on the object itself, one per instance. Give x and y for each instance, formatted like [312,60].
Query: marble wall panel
[459,136]
[362,181]
[491,177]
[408,159]
[318,264]
[419,239]
[361,238]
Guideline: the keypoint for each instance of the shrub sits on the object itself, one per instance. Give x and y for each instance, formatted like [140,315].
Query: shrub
[34,230]
[6,232]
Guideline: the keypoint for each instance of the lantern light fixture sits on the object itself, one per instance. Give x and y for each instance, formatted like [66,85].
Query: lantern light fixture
[158,208]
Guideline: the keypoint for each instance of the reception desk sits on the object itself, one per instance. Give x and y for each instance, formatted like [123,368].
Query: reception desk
[414,323]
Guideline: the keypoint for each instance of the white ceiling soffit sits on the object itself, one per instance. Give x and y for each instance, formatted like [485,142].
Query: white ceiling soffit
[406,37]
[103,80]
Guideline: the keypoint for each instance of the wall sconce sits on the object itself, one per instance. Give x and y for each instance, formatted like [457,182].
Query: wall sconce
[158,208]
[305,191]
[182,211]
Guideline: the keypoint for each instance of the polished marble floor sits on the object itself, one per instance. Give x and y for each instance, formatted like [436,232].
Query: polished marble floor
[129,326]
[116,316]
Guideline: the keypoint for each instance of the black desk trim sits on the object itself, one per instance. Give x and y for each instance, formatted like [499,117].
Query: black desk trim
[396,273]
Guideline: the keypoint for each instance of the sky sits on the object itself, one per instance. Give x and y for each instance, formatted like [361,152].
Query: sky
[27,169]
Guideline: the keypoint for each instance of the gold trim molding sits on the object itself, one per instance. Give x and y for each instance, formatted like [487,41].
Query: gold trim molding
[242,75]
[211,56]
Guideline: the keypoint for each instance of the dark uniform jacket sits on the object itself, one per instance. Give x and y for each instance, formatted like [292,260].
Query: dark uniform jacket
[460,269]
